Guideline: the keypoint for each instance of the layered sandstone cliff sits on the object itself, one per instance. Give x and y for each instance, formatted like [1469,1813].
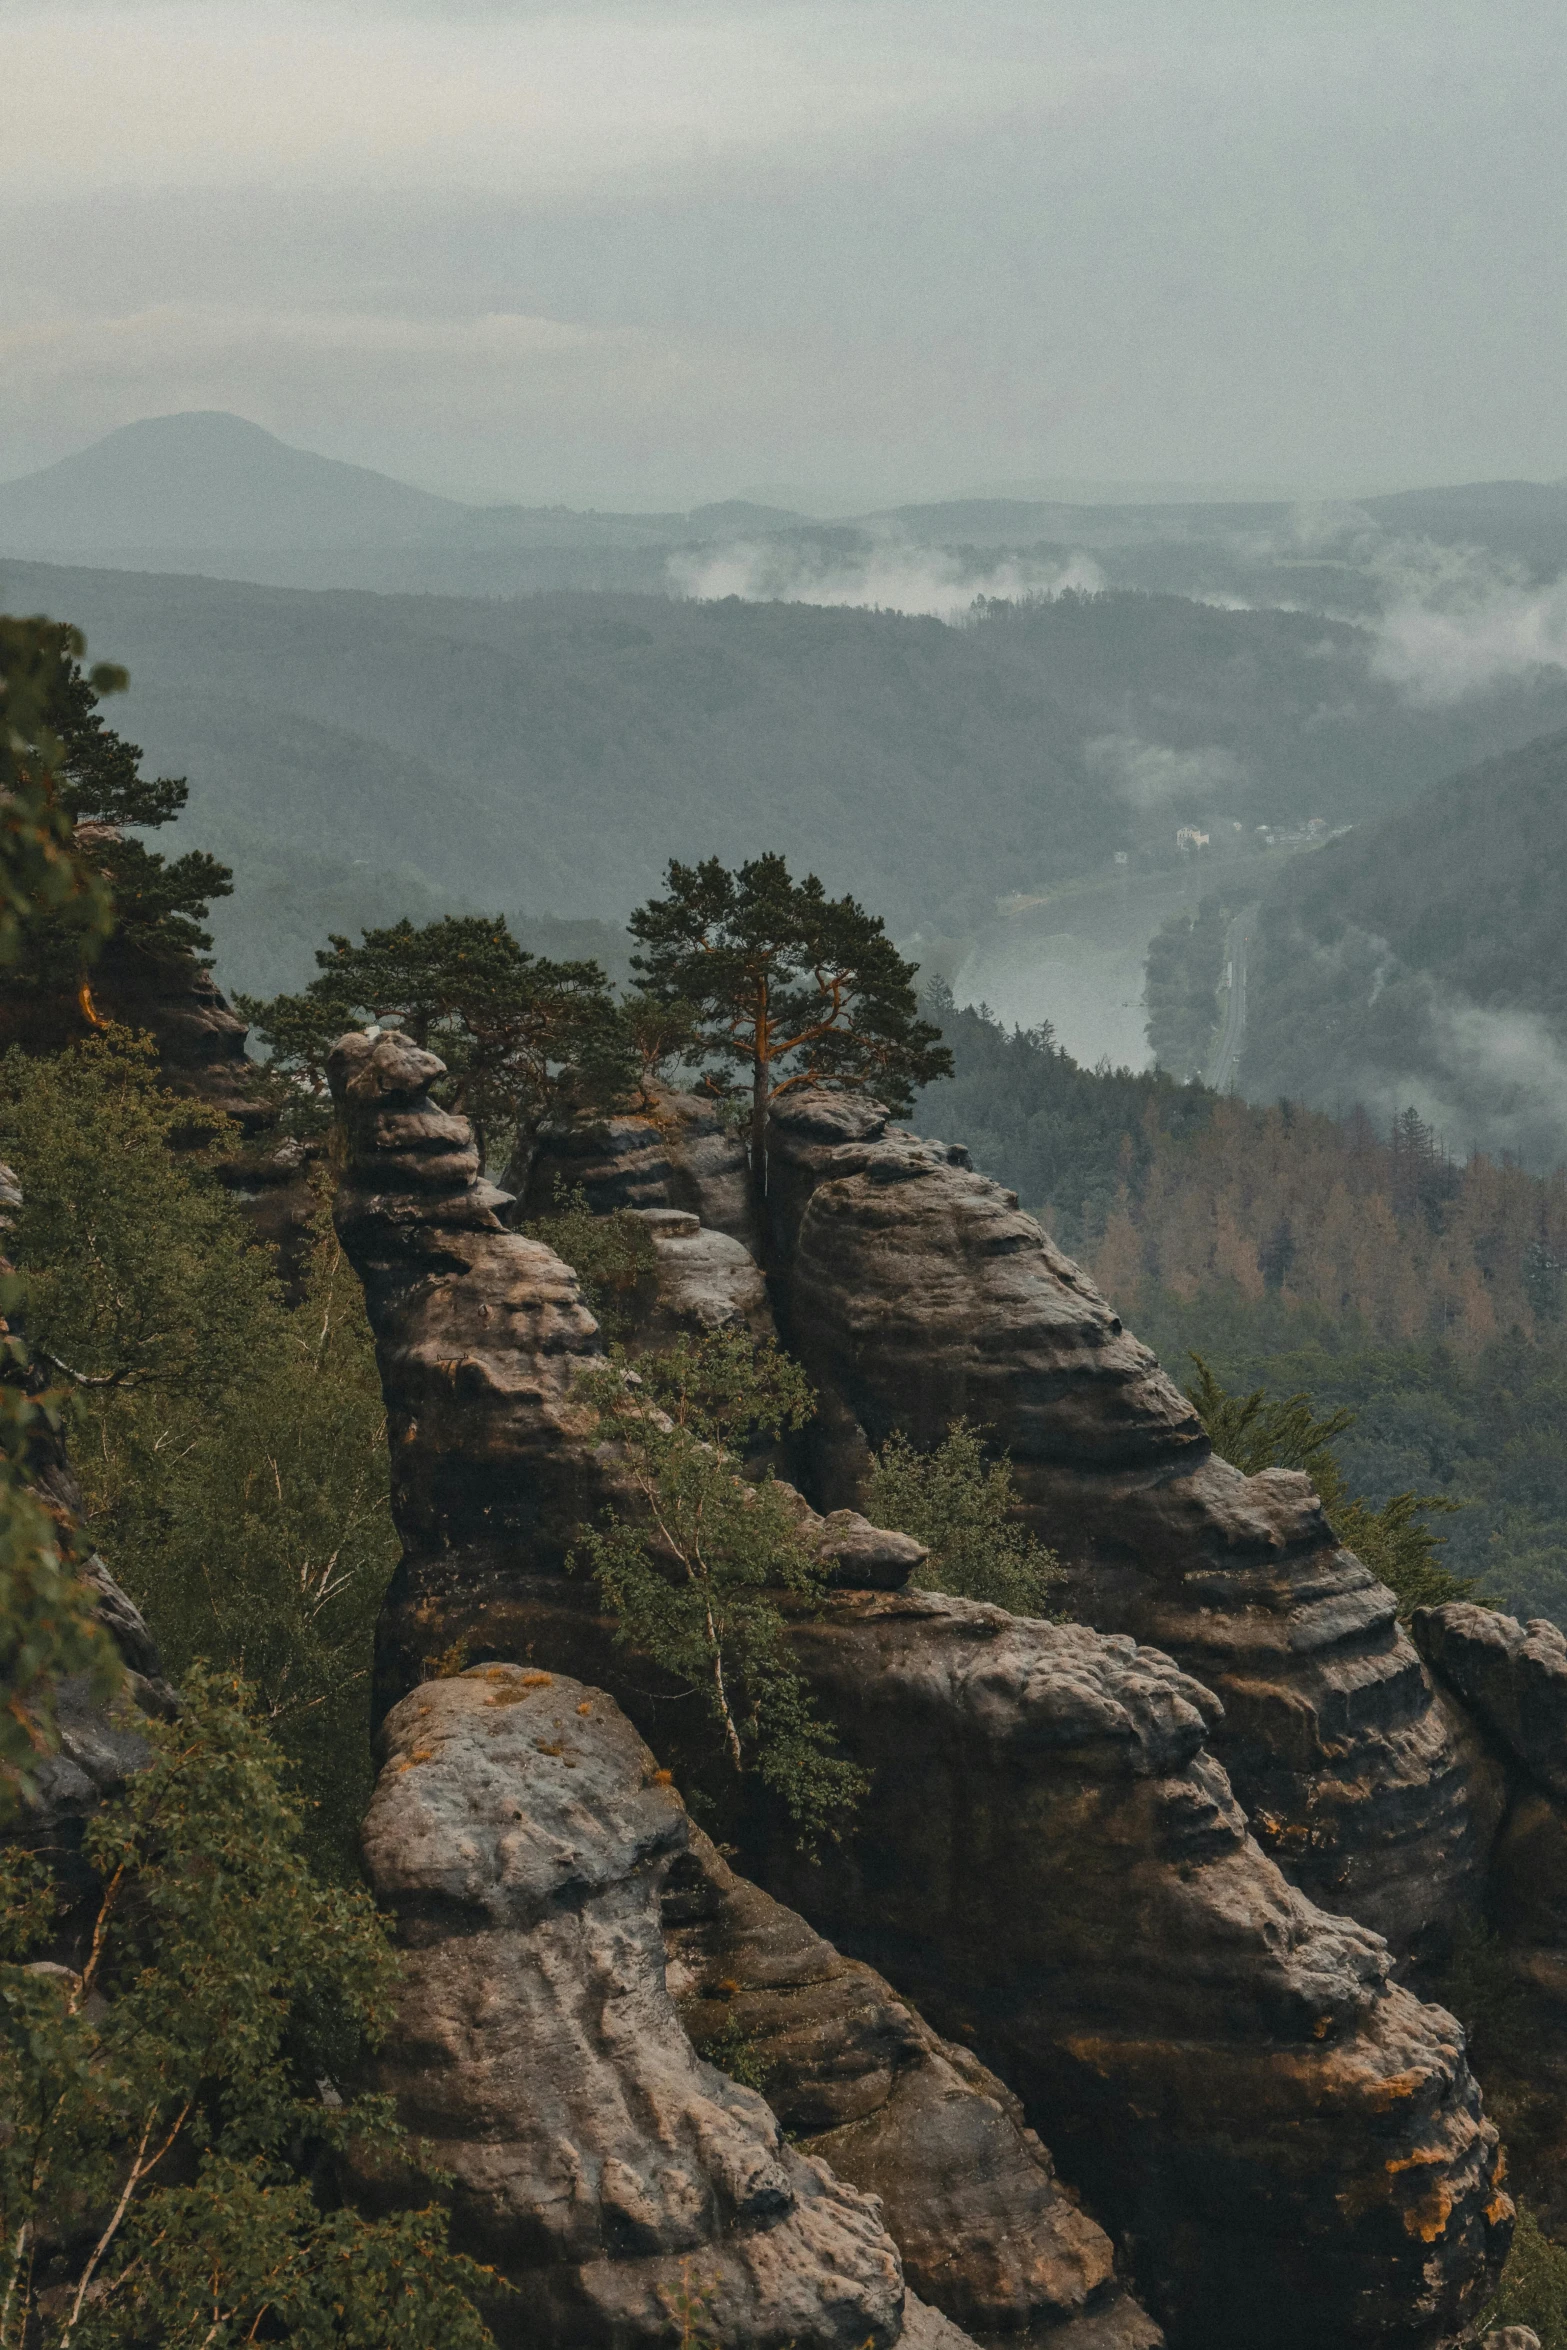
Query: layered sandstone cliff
[914,1290]
[1051,1862]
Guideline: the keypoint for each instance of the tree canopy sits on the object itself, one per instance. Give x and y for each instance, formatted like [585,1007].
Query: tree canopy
[97,792]
[43,876]
[1259,1431]
[524,1038]
[162,2147]
[785,987]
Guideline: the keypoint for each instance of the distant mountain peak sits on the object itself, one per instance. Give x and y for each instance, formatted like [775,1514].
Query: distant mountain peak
[207,478]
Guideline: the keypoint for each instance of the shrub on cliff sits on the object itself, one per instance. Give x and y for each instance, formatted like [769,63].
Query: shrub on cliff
[232,1453]
[169,2115]
[690,1579]
[962,1506]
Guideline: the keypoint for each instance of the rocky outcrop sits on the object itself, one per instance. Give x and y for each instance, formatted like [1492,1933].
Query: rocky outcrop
[705,1280]
[915,1291]
[200,1039]
[1050,1863]
[519,1833]
[677,1153]
[855,2075]
[1055,1870]
[481,1334]
[1512,1677]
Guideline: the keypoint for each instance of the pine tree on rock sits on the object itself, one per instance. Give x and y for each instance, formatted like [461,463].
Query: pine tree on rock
[786,987]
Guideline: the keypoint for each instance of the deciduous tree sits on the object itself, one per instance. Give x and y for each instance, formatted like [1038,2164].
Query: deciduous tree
[692,1578]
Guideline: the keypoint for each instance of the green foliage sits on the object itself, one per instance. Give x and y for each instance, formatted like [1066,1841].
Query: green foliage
[47,1627]
[164,2111]
[523,1038]
[1534,2285]
[1181,990]
[1257,1431]
[612,1256]
[160,907]
[734,2052]
[232,1453]
[139,1272]
[784,987]
[961,1506]
[695,1579]
[44,881]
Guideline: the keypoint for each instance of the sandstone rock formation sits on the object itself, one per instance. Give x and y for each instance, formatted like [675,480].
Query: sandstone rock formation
[1051,1862]
[199,1038]
[519,1831]
[1512,1677]
[1055,1870]
[856,2076]
[675,1154]
[706,1280]
[914,1291]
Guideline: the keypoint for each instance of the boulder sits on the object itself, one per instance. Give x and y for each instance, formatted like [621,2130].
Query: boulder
[914,1291]
[519,1834]
[706,1281]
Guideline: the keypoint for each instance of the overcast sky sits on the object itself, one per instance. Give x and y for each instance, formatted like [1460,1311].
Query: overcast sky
[654,252]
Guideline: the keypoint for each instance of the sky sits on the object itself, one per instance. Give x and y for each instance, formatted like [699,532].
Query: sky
[832,252]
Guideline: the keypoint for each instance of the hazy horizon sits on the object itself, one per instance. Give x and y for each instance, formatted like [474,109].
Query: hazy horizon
[804,251]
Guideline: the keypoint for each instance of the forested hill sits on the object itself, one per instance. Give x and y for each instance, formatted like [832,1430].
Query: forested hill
[378,755]
[1419,960]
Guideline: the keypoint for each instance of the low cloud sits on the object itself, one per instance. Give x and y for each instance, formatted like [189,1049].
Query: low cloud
[1438,650]
[1150,775]
[890,576]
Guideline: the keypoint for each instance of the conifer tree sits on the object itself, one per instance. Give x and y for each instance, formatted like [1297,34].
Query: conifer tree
[785,987]
[523,1038]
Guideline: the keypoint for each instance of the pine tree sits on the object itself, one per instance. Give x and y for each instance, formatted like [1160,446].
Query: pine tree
[785,987]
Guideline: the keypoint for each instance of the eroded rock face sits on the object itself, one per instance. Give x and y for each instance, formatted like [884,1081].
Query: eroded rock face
[480,1333]
[1055,1869]
[520,1832]
[915,1291]
[1050,1863]
[855,2075]
[1511,1676]
[706,1281]
[676,1154]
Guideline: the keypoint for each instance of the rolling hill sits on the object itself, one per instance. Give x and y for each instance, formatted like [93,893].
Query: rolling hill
[1418,962]
[548,755]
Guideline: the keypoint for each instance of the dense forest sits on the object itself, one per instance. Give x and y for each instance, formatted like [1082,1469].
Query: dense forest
[374,755]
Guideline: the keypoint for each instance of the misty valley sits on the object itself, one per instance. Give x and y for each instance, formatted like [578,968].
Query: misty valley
[783,1525]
